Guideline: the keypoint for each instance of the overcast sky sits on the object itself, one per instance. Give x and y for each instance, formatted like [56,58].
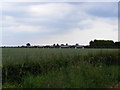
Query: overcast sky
[48,23]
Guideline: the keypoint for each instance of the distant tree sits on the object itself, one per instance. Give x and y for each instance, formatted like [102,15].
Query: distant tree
[54,45]
[117,44]
[28,44]
[76,44]
[57,45]
[66,44]
[102,43]
[62,45]
[91,43]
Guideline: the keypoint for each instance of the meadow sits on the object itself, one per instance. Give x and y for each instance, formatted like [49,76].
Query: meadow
[60,68]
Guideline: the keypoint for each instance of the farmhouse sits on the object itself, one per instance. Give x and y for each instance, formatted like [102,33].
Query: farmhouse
[64,46]
[79,46]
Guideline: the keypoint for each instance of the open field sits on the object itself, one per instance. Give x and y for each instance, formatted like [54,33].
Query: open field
[65,68]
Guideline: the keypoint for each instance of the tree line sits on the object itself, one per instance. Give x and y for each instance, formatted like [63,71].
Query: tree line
[92,44]
[104,44]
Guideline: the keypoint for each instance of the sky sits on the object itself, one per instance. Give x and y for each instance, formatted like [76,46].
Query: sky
[46,23]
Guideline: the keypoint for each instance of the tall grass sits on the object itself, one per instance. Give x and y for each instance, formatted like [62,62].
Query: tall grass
[74,77]
[69,67]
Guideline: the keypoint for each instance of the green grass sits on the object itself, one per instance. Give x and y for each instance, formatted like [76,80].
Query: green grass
[74,77]
[66,68]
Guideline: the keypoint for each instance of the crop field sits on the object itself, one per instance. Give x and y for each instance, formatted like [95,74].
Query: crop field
[60,68]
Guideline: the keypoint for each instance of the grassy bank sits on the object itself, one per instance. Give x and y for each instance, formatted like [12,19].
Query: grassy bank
[35,68]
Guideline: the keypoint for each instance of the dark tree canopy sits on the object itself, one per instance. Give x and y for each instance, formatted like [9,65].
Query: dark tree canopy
[102,43]
[66,44]
[28,44]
